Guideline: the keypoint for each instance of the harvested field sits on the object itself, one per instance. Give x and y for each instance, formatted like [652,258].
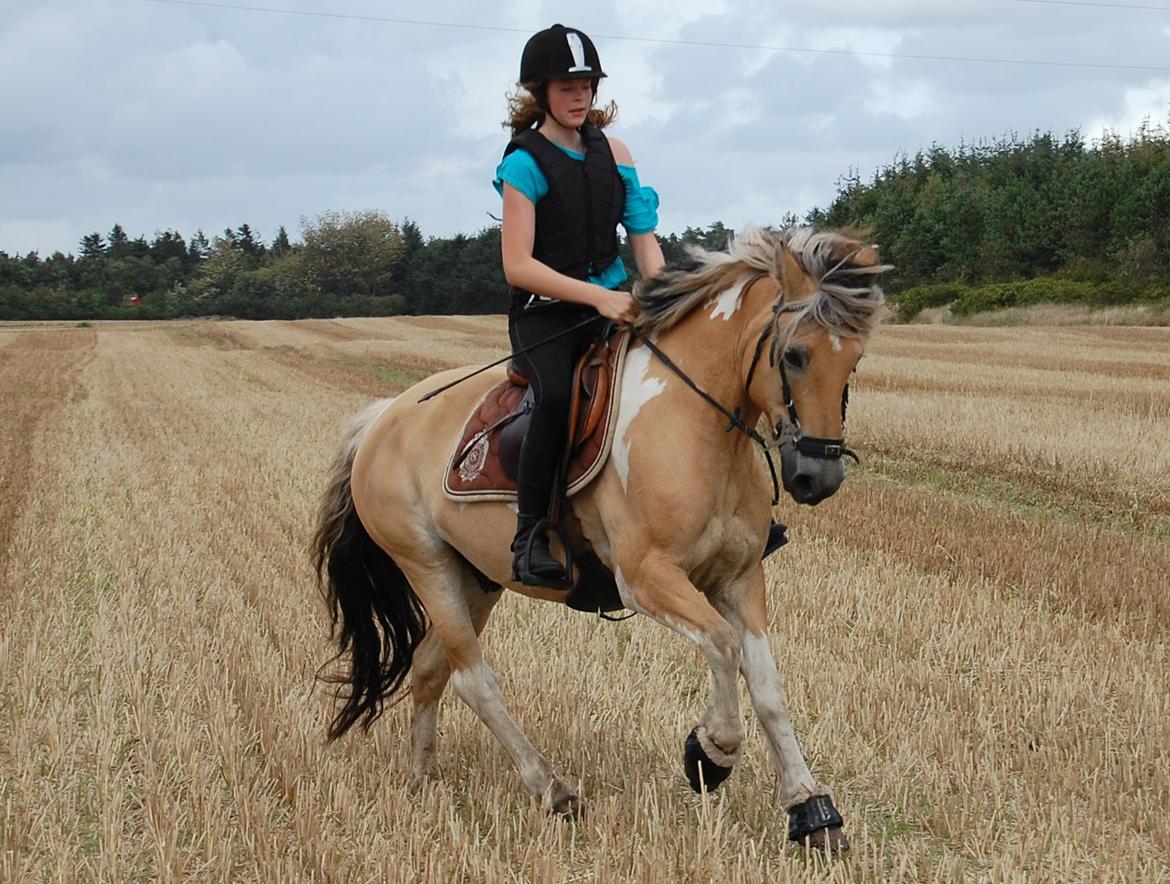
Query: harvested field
[975,631]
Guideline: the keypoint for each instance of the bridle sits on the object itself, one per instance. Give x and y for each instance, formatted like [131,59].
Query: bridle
[812,446]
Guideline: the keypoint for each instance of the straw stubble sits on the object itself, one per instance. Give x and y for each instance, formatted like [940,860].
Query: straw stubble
[973,631]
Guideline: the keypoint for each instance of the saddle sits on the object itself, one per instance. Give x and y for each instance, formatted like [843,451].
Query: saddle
[484,464]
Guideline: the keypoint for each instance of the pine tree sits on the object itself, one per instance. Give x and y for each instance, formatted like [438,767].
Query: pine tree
[280,244]
[119,242]
[198,248]
[92,247]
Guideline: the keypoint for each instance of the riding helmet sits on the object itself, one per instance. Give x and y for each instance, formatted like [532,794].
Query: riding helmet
[559,53]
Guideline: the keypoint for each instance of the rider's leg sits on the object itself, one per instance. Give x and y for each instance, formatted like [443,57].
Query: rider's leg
[549,369]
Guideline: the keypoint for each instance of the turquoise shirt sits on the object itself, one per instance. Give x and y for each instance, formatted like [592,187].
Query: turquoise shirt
[519,168]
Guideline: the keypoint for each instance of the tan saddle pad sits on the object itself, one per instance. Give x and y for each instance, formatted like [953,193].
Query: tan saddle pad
[483,464]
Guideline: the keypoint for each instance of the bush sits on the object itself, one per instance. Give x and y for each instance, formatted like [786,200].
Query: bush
[965,300]
[909,303]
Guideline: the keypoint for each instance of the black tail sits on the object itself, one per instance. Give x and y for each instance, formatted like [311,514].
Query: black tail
[377,619]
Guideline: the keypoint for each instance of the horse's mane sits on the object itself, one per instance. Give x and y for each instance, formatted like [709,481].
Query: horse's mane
[848,300]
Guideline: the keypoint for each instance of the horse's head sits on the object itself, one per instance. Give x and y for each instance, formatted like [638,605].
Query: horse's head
[827,304]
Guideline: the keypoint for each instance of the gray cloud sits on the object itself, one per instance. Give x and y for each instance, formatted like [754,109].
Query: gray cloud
[160,116]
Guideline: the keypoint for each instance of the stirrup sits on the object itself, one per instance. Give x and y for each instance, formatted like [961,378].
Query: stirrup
[523,558]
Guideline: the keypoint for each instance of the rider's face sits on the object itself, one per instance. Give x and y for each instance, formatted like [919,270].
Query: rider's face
[569,101]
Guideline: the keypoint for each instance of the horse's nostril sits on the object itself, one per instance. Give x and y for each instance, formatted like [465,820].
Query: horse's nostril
[802,486]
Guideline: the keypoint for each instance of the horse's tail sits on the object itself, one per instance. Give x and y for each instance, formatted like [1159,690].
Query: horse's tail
[375,613]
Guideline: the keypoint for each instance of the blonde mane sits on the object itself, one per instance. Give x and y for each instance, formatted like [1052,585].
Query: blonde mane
[848,300]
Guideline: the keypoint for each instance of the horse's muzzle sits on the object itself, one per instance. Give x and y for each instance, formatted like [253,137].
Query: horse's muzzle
[809,479]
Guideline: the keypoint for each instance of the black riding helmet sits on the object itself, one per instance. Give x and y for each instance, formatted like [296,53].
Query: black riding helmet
[559,53]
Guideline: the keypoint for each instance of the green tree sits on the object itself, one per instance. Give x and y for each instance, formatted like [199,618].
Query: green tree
[119,242]
[351,253]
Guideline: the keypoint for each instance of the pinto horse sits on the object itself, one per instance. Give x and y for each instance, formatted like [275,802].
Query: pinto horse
[770,329]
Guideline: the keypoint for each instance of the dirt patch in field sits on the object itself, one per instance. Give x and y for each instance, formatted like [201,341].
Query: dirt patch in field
[207,335]
[329,329]
[1084,398]
[352,374]
[455,325]
[1152,366]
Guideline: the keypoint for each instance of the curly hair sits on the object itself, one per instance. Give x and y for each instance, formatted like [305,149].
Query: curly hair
[527,103]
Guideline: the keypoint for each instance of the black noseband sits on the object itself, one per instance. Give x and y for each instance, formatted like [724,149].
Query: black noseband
[826,449]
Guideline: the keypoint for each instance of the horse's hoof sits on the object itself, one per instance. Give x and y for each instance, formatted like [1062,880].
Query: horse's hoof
[831,840]
[703,774]
[815,823]
[568,807]
[419,780]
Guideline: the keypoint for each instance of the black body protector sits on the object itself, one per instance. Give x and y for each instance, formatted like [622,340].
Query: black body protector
[576,222]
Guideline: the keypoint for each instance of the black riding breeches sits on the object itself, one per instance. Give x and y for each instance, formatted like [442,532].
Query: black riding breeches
[549,368]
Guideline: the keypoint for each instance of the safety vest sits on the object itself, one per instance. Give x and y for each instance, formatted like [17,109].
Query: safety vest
[576,222]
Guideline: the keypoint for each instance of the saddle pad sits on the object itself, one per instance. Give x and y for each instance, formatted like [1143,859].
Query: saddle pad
[476,469]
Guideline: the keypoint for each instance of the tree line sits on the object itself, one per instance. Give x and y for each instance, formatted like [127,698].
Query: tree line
[1019,220]
[1015,220]
[345,263]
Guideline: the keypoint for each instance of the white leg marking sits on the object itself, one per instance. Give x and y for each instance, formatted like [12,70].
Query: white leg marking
[767,690]
[637,390]
[728,302]
[477,687]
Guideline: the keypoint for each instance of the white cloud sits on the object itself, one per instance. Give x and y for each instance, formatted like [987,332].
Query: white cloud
[1149,103]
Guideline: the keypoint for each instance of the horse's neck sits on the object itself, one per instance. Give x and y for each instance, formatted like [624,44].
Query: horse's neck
[715,345]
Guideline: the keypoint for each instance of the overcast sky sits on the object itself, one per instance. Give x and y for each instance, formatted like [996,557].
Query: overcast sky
[157,116]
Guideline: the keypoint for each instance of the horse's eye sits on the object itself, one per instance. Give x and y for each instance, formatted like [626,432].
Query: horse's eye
[796,359]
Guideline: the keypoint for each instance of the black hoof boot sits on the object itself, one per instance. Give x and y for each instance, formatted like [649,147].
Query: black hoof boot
[777,537]
[816,823]
[703,774]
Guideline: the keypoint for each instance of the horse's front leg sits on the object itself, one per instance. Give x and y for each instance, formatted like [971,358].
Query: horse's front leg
[653,585]
[812,817]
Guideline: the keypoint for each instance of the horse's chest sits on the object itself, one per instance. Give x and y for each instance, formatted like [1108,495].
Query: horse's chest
[726,549]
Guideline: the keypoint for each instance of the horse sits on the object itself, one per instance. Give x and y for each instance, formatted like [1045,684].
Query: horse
[679,512]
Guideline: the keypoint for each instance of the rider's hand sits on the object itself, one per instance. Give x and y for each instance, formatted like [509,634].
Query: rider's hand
[619,307]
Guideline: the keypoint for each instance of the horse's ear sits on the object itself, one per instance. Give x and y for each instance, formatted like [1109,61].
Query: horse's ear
[867,256]
[795,283]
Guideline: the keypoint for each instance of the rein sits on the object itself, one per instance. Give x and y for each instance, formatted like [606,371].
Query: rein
[484,368]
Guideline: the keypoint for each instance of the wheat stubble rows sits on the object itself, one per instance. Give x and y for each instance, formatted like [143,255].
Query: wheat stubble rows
[974,631]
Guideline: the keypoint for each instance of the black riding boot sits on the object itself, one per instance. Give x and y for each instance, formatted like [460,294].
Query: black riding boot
[777,537]
[534,564]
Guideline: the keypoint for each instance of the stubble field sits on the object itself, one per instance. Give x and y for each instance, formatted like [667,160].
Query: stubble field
[973,631]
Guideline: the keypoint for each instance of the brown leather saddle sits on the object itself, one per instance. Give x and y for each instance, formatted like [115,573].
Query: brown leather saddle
[484,464]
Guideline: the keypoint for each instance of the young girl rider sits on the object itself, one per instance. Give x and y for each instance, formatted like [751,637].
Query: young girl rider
[566,186]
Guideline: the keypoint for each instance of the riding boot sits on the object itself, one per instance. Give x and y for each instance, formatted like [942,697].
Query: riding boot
[534,564]
[777,537]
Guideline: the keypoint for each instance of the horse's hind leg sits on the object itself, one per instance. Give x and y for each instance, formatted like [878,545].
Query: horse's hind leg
[429,675]
[444,586]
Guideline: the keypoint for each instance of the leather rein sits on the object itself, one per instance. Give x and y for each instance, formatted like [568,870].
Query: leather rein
[812,446]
